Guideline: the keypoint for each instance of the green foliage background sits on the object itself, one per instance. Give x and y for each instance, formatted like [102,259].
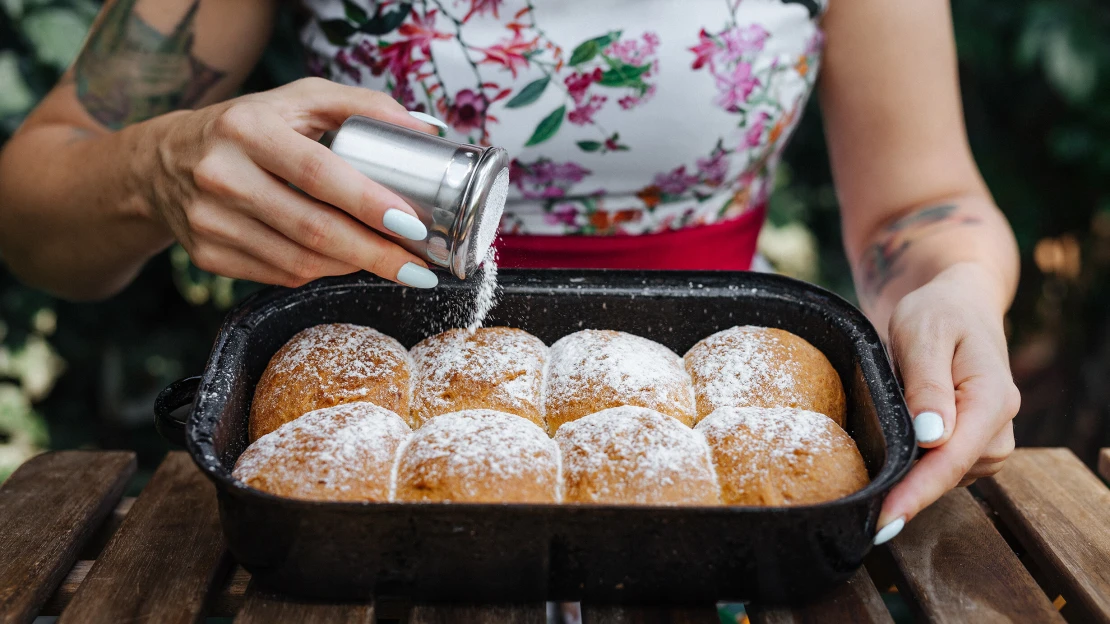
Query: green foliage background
[1037,100]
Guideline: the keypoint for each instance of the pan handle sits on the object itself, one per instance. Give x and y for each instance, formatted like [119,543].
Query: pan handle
[176,395]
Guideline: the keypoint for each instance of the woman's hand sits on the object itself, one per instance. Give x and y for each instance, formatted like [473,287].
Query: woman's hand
[950,351]
[220,183]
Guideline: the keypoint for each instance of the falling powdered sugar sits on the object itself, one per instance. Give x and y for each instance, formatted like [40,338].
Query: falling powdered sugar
[486,296]
[484,251]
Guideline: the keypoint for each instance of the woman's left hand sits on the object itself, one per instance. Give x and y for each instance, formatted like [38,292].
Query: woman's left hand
[950,351]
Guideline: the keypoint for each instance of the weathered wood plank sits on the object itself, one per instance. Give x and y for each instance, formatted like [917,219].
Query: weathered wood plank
[955,567]
[603,614]
[1060,511]
[478,614]
[1104,463]
[103,535]
[264,608]
[49,508]
[164,558]
[854,601]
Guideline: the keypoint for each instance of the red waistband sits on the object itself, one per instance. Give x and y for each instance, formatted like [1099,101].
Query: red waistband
[720,246]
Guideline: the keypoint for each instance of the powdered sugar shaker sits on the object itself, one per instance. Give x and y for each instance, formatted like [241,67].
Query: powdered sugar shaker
[457,190]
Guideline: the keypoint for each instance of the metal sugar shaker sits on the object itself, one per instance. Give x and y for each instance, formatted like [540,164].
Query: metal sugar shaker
[457,190]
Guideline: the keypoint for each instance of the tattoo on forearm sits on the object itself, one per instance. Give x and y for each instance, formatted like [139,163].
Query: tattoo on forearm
[129,72]
[880,264]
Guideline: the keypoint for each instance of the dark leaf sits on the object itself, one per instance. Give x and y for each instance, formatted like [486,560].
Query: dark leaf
[355,13]
[589,146]
[385,23]
[547,127]
[623,75]
[584,52]
[337,31]
[530,93]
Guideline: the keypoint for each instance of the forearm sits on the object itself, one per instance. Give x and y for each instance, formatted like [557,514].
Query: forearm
[965,232]
[75,217]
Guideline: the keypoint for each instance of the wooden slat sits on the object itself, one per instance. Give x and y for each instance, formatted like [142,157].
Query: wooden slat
[955,567]
[1060,512]
[598,614]
[165,556]
[263,608]
[857,600]
[478,614]
[1104,463]
[49,508]
[103,535]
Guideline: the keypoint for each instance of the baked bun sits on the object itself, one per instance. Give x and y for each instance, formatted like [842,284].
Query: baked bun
[592,370]
[341,453]
[496,368]
[635,456]
[781,456]
[479,456]
[330,365]
[763,367]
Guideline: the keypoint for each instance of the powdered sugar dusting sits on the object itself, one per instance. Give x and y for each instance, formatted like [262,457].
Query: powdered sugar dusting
[635,455]
[479,455]
[739,366]
[776,431]
[486,296]
[501,366]
[336,453]
[593,363]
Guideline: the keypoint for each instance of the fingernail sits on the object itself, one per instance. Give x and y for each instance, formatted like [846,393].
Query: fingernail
[426,118]
[402,223]
[417,276]
[888,532]
[928,427]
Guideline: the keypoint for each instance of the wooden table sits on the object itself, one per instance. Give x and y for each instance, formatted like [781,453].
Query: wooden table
[1034,548]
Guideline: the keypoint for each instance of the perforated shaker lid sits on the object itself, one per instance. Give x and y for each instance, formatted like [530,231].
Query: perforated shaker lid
[481,214]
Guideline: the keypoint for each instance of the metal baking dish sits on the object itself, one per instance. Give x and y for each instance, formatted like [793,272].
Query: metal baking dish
[526,552]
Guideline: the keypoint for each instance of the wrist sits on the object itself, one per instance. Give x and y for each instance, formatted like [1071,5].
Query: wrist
[145,146]
[980,281]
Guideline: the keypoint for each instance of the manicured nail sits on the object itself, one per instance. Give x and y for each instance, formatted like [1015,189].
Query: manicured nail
[888,532]
[402,223]
[417,276]
[928,427]
[426,118]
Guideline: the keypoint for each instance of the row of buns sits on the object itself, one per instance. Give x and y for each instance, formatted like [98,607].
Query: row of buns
[749,416]
[512,371]
[623,455]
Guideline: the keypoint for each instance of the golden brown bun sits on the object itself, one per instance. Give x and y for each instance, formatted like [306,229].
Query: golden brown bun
[592,370]
[763,367]
[330,365]
[635,456]
[479,456]
[496,368]
[342,453]
[781,456]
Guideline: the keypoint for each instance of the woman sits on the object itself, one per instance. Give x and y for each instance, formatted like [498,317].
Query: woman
[645,134]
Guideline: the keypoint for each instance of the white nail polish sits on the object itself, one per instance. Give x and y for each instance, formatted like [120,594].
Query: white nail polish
[928,427]
[888,532]
[403,224]
[414,275]
[426,118]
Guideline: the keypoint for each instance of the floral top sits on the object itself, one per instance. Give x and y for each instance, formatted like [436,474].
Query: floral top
[623,116]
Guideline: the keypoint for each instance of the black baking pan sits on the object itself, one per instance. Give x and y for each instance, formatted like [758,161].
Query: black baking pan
[526,552]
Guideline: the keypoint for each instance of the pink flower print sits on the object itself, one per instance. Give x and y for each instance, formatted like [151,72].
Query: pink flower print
[735,88]
[479,7]
[509,54]
[704,51]
[564,213]
[632,51]
[568,172]
[344,63]
[467,112]
[544,178]
[316,65]
[364,54]
[421,31]
[584,114]
[577,84]
[742,41]
[398,59]
[757,124]
[675,182]
[816,42]
[631,101]
[714,169]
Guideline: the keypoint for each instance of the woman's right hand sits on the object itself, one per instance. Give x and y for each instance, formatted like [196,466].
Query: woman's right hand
[221,184]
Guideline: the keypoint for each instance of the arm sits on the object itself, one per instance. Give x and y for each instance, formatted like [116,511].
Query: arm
[137,147]
[934,260]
